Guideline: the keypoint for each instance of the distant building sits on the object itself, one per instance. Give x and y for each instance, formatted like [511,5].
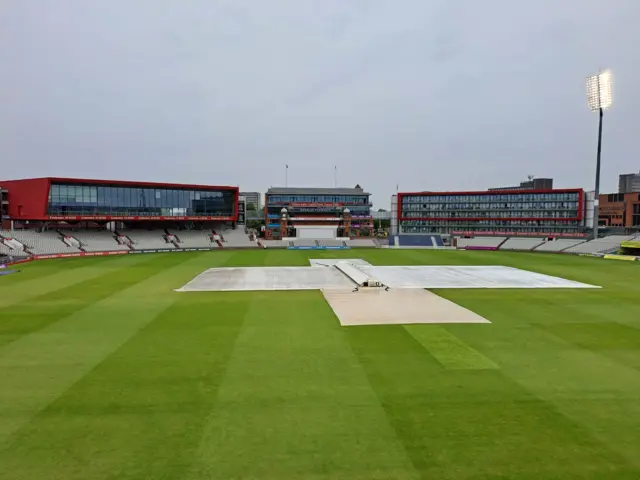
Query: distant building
[381,215]
[629,183]
[253,198]
[531,184]
[339,211]
[619,210]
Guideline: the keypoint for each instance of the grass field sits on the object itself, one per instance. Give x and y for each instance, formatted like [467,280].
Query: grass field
[106,373]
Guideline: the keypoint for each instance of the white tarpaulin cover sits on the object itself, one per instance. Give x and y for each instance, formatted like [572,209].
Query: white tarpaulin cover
[440,276]
[328,262]
[268,278]
[350,273]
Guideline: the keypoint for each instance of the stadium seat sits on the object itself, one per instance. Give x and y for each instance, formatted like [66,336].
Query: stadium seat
[481,242]
[416,241]
[96,240]
[521,243]
[305,242]
[275,243]
[4,250]
[37,243]
[194,238]
[148,239]
[607,244]
[558,245]
[331,242]
[237,239]
[361,242]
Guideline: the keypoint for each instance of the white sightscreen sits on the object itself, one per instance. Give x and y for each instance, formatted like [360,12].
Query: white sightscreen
[315,232]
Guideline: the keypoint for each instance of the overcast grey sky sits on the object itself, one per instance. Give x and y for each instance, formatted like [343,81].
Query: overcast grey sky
[426,94]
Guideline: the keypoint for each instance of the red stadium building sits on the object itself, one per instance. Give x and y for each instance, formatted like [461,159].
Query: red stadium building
[556,212]
[73,200]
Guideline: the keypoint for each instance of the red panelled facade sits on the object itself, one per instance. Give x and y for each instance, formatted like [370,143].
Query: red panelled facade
[29,199]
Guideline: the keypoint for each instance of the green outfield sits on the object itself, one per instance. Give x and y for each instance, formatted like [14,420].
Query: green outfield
[106,373]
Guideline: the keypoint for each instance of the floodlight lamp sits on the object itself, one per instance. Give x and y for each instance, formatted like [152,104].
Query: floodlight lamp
[599,95]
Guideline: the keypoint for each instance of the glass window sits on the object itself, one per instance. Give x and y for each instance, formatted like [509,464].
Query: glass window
[148,198]
[105,200]
[134,199]
[113,195]
[129,201]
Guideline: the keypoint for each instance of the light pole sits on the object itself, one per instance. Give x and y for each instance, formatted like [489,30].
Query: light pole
[599,97]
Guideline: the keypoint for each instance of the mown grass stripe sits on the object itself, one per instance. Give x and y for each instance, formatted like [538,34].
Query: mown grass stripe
[449,350]
[474,423]
[75,272]
[39,311]
[560,406]
[39,367]
[140,413]
[41,269]
[295,397]
[580,383]
[616,341]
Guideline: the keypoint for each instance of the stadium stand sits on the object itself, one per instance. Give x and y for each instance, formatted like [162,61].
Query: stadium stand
[558,245]
[147,239]
[236,239]
[37,243]
[481,242]
[305,242]
[194,239]
[275,243]
[330,242]
[520,243]
[14,245]
[95,241]
[600,245]
[416,241]
[4,250]
[24,243]
[361,242]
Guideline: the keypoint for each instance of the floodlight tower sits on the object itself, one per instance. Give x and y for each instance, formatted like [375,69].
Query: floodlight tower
[599,97]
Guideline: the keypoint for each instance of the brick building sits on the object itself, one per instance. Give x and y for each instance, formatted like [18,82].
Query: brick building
[620,210]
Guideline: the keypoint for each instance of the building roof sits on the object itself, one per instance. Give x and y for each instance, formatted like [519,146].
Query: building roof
[315,191]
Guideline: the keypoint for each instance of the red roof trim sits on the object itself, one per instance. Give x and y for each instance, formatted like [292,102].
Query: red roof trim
[130,183]
[109,218]
[494,192]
